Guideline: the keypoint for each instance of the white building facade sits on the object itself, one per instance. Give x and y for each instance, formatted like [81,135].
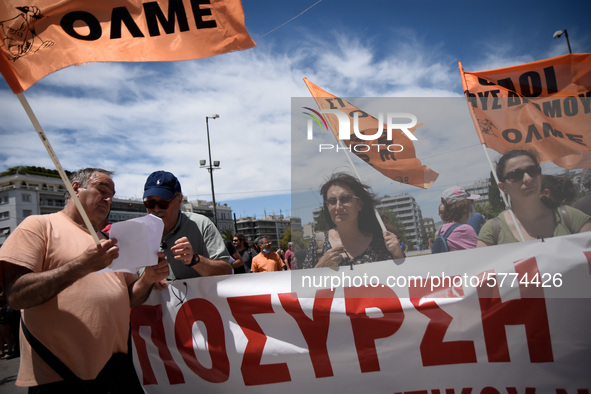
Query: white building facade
[23,194]
[408,213]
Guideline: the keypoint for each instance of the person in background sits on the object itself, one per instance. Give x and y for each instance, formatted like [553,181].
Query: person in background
[246,252]
[289,257]
[441,209]
[520,177]
[6,336]
[281,254]
[235,258]
[355,235]
[404,248]
[191,243]
[440,212]
[557,191]
[584,203]
[50,270]
[298,257]
[476,220]
[267,260]
[457,207]
[255,246]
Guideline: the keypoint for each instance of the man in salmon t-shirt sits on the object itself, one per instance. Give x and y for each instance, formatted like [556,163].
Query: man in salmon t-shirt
[49,270]
[267,260]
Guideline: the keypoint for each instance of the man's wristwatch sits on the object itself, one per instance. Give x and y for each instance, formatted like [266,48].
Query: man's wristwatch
[196,259]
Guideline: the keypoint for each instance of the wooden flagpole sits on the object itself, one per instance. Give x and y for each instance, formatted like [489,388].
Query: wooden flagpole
[57,164]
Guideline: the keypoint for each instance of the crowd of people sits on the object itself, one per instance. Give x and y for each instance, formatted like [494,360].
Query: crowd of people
[538,207]
[75,321]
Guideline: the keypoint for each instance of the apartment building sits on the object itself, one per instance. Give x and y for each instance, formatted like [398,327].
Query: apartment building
[409,213]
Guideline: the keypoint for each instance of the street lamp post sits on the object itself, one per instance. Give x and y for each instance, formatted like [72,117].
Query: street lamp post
[559,33]
[210,168]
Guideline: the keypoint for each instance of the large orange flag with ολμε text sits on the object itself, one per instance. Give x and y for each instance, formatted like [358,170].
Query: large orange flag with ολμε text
[40,37]
[544,107]
[400,165]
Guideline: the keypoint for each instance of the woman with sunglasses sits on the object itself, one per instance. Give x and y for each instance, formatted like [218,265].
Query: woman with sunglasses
[520,177]
[355,235]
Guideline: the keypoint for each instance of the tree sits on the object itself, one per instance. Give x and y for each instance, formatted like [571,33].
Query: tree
[393,224]
[320,224]
[297,237]
[286,238]
[227,235]
[33,170]
[494,198]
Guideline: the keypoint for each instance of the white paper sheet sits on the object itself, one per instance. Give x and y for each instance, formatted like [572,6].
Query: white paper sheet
[139,241]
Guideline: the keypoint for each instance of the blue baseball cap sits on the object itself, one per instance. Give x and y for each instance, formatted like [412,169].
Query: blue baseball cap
[162,184]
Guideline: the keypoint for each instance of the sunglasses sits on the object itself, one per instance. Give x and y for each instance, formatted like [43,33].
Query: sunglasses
[344,200]
[517,175]
[235,240]
[162,204]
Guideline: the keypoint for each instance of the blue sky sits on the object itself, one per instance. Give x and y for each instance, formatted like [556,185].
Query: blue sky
[136,118]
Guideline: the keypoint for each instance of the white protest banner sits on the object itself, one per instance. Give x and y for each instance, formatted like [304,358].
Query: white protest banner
[504,319]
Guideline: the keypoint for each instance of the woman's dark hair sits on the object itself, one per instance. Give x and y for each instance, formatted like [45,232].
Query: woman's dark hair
[562,191]
[367,221]
[502,162]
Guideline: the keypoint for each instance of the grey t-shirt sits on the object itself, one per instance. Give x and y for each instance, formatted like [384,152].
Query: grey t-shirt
[204,238]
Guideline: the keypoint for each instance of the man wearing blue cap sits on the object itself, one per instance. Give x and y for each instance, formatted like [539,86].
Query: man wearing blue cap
[191,243]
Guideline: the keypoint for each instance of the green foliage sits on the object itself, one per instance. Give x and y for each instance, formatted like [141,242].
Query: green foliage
[286,238]
[495,204]
[227,235]
[494,196]
[320,224]
[393,224]
[32,170]
[297,237]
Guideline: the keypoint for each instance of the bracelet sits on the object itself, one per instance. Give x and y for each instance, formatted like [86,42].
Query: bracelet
[196,259]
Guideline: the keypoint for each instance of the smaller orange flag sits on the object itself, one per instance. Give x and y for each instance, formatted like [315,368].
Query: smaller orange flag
[543,106]
[36,40]
[395,157]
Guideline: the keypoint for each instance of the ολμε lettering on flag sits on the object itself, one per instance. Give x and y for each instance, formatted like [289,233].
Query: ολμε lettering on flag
[544,106]
[402,166]
[38,38]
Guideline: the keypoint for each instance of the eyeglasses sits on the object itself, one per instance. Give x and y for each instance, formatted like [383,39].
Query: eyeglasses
[517,175]
[235,240]
[162,204]
[346,199]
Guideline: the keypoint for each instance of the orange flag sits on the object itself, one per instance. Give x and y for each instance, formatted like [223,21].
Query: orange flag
[36,40]
[544,106]
[395,157]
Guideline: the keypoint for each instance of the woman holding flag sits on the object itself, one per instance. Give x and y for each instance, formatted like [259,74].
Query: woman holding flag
[355,235]
[520,177]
